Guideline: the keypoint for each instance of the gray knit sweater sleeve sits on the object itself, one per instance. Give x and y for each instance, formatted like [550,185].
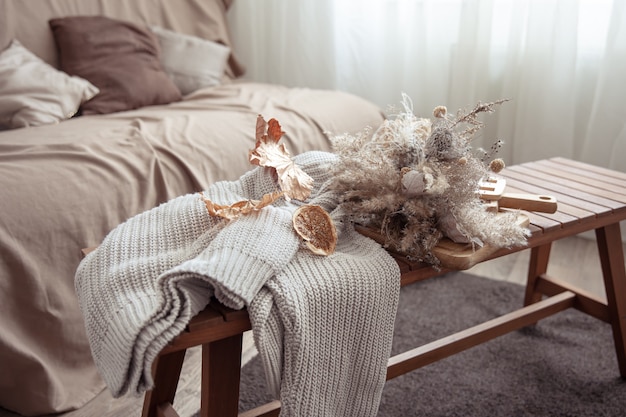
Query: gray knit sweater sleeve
[245,255]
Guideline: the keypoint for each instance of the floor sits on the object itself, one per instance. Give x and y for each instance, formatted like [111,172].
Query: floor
[585,274]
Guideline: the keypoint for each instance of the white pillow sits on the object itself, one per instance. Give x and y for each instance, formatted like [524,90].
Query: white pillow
[191,62]
[34,93]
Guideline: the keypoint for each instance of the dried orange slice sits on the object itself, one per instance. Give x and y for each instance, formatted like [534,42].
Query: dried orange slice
[316,227]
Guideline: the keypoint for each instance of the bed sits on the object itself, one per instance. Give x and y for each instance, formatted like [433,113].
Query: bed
[69,177]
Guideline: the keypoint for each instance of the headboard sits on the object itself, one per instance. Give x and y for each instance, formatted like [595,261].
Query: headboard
[27,21]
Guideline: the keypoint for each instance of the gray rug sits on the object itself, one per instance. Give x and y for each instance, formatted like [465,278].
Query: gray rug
[564,366]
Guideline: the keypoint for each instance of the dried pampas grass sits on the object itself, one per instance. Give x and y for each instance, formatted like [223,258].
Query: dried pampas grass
[416,180]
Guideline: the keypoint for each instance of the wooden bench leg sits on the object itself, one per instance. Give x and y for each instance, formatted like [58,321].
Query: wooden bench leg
[166,372]
[612,260]
[538,266]
[221,371]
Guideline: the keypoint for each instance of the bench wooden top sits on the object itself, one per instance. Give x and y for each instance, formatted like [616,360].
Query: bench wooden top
[588,197]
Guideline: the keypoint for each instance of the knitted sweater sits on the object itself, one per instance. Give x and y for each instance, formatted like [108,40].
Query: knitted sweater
[322,325]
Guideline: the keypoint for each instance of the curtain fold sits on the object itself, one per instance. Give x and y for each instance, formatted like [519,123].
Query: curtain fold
[561,63]
[605,134]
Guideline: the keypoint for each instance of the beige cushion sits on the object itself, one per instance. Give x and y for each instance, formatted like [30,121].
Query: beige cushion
[34,93]
[118,57]
[191,62]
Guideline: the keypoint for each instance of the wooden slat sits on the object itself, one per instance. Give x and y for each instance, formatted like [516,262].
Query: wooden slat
[546,224]
[606,172]
[585,301]
[208,317]
[593,186]
[228,313]
[595,176]
[573,189]
[531,173]
[204,335]
[584,210]
[521,181]
[458,342]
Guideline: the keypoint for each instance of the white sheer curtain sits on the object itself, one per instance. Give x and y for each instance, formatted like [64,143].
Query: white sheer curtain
[562,63]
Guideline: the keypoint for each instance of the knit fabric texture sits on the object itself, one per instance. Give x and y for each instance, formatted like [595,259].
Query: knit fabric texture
[322,325]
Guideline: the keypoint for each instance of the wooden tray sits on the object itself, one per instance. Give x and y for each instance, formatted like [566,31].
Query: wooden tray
[459,256]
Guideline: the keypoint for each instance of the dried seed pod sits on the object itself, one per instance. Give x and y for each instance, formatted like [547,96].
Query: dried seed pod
[497,165]
[440,112]
[316,227]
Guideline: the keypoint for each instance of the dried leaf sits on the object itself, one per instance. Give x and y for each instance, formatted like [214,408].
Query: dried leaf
[295,183]
[316,227]
[241,207]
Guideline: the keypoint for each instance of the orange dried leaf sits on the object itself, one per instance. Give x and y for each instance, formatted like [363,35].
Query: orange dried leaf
[274,131]
[241,207]
[268,130]
[295,183]
[314,225]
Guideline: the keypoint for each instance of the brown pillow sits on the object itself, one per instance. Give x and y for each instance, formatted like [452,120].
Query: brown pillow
[118,57]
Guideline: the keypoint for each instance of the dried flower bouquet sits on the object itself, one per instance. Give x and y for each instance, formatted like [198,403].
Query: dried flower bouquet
[416,180]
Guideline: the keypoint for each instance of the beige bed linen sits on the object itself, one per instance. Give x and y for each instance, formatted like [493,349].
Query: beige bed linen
[65,186]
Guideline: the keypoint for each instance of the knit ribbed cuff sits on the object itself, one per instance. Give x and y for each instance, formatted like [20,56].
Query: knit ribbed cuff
[245,254]
[238,276]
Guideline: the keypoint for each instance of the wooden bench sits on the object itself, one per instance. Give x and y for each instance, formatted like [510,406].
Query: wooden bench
[590,198]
